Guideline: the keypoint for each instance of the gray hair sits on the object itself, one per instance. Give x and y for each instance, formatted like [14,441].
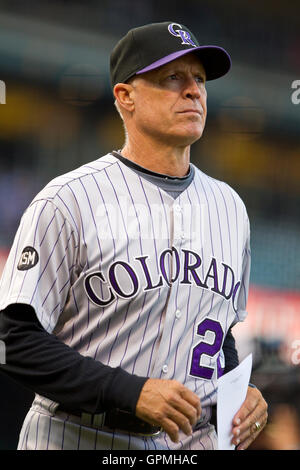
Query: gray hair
[121,116]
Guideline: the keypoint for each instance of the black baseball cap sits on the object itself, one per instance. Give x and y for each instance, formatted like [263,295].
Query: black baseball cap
[148,47]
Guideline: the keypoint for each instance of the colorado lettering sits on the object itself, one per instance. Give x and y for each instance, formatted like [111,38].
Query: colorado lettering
[123,280]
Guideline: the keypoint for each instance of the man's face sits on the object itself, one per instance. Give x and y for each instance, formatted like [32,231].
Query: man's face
[170,102]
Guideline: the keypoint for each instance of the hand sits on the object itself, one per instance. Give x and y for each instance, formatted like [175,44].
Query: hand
[252,411]
[169,404]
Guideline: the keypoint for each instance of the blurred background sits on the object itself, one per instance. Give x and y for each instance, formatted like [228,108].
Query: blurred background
[56,113]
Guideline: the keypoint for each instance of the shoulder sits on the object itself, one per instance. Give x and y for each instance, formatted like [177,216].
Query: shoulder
[62,183]
[219,189]
[64,192]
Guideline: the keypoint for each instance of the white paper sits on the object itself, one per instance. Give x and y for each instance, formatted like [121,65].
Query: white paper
[232,390]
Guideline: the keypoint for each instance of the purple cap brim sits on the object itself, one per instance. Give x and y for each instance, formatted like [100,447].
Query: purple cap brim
[217,72]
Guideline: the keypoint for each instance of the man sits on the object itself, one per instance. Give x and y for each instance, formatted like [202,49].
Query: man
[126,275]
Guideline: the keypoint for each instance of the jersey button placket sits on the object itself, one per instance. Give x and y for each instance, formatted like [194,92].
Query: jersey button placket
[178,228]
[178,314]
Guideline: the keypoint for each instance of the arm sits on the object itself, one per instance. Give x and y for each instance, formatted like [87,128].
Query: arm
[230,352]
[47,366]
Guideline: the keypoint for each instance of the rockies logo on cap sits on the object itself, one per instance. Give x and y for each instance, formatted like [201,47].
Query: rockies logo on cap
[148,47]
[180,33]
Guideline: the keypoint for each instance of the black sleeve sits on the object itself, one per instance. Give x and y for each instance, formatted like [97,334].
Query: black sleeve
[45,365]
[230,352]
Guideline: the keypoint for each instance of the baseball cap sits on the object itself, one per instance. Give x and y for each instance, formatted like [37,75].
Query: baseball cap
[150,46]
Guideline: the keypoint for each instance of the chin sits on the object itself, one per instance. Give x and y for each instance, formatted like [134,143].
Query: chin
[191,137]
[192,132]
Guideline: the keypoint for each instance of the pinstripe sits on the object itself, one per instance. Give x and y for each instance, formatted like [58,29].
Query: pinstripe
[118,332]
[132,200]
[81,221]
[152,354]
[208,205]
[129,334]
[37,224]
[37,432]
[199,228]
[84,240]
[49,432]
[27,433]
[65,284]
[48,260]
[153,231]
[218,218]
[50,289]
[77,312]
[15,257]
[107,215]
[47,228]
[70,213]
[118,202]
[64,257]
[92,213]
[35,233]
[236,224]
[186,320]
[79,436]
[141,345]
[227,217]
[107,331]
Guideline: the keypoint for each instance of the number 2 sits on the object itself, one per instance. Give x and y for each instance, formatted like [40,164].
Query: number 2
[208,349]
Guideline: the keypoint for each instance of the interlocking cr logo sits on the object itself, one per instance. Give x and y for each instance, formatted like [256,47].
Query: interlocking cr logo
[180,33]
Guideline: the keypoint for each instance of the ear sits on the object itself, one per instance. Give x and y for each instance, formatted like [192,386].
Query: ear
[123,94]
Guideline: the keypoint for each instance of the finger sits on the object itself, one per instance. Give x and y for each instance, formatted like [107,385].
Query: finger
[248,427]
[186,409]
[244,442]
[248,424]
[254,402]
[180,419]
[173,422]
[245,412]
[171,429]
[257,414]
[194,401]
[243,439]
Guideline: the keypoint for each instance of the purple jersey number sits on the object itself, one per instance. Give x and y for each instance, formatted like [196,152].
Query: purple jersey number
[208,349]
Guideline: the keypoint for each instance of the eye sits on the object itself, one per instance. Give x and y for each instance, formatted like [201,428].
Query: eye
[173,76]
[200,79]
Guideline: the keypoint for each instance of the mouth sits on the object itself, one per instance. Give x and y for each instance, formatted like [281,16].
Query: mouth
[191,111]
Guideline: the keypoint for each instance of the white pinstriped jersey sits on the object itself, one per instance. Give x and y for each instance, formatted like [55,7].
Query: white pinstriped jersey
[131,277]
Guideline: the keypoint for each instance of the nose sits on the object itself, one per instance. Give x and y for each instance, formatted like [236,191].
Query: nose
[191,89]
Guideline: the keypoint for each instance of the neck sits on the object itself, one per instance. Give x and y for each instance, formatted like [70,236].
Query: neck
[158,157]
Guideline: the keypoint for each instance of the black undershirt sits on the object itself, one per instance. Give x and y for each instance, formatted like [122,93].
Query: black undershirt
[42,363]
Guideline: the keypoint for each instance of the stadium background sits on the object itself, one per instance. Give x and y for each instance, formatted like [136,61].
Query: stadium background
[57,113]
